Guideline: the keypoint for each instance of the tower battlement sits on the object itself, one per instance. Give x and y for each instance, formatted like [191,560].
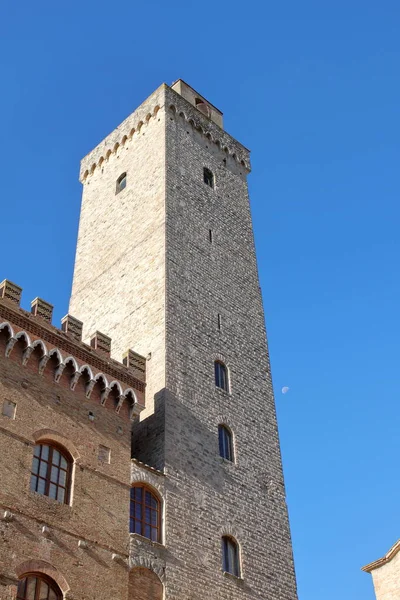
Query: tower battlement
[180,99]
[31,338]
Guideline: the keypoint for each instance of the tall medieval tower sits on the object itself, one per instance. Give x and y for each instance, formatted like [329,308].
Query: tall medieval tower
[166,265]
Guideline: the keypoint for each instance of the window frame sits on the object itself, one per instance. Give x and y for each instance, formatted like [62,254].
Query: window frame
[132,516]
[52,446]
[229,542]
[208,176]
[225,438]
[40,577]
[220,367]
[120,179]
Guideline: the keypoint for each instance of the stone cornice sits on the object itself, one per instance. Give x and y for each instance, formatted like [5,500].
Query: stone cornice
[227,144]
[384,560]
[164,97]
[143,465]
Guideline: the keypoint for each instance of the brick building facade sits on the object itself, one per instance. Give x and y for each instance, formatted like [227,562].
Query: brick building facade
[193,504]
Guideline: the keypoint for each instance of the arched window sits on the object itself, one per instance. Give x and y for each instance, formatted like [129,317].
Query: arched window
[121,183]
[202,107]
[230,556]
[145,515]
[51,472]
[225,443]
[38,587]
[208,177]
[221,376]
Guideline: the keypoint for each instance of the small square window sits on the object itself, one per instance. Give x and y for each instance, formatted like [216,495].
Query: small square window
[208,177]
[104,454]
[9,409]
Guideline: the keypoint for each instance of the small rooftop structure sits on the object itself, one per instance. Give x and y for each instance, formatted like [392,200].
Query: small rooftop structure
[197,100]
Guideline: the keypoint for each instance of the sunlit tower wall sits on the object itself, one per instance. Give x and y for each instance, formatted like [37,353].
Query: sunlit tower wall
[167,266]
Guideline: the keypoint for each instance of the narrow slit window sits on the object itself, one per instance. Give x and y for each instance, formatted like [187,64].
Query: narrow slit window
[210,236]
[221,376]
[219,322]
[208,177]
[121,183]
[230,556]
[225,443]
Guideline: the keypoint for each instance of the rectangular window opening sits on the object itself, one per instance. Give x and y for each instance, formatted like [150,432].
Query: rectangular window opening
[104,454]
[9,409]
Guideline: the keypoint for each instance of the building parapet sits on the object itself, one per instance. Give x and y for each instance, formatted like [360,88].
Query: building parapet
[35,329]
[164,97]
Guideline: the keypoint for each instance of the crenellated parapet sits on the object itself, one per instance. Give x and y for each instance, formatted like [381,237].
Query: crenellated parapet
[179,107]
[175,105]
[31,339]
[125,134]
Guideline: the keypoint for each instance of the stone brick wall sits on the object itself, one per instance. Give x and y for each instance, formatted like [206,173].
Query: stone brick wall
[387,580]
[119,276]
[207,497]
[386,574]
[147,275]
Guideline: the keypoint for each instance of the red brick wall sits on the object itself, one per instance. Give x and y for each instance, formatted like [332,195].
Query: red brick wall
[144,585]
[99,512]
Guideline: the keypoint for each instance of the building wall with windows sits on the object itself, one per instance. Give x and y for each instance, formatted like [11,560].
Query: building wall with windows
[165,267]
[52,396]
[176,245]
[243,500]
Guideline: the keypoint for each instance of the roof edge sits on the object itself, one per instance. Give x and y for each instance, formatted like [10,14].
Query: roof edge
[384,560]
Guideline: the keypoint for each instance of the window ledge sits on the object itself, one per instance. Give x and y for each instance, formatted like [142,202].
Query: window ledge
[227,462]
[50,501]
[237,578]
[142,538]
[223,392]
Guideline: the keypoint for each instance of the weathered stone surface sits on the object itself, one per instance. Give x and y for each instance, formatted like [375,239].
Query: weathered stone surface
[165,267]
[148,275]
[386,574]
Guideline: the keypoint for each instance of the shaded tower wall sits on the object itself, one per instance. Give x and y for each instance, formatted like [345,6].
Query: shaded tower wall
[214,311]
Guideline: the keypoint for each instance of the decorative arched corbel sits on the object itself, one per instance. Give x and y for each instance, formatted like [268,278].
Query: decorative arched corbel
[42,364]
[75,379]
[120,402]
[59,372]
[89,387]
[104,395]
[26,356]
[10,345]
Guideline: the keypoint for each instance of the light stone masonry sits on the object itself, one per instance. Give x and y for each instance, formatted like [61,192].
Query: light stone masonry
[148,276]
[386,574]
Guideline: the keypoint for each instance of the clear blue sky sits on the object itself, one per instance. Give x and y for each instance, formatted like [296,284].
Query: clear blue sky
[313,89]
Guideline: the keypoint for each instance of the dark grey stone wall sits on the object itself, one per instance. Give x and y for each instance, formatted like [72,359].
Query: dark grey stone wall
[206,496]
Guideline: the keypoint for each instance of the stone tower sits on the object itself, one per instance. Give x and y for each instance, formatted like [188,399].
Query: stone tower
[166,265]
